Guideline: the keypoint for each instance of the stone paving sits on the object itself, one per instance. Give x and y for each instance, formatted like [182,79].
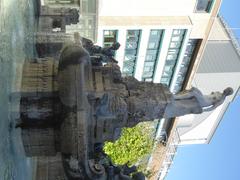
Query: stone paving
[17,24]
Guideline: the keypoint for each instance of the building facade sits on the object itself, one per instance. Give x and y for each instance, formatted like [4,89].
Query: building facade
[87,10]
[157,38]
[162,42]
[219,68]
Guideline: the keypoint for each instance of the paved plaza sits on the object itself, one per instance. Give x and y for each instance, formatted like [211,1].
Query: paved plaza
[17,24]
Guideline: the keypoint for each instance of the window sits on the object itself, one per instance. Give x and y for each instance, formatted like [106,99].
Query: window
[178,32]
[180,79]
[152,45]
[147,68]
[191,46]
[152,52]
[148,74]
[133,33]
[165,79]
[175,44]
[109,33]
[131,45]
[128,69]
[91,6]
[176,38]
[154,32]
[173,51]
[129,57]
[148,79]
[170,62]
[204,5]
[186,60]
[172,55]
[150,57]
[131,51]
[167,73]
[110,37]
[168,68]
[149,63]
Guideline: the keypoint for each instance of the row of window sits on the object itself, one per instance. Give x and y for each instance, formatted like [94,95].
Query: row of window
[204,5]
[59,1]
[172,55]
[109,37]
[152,53]
[131,51]
[191,46]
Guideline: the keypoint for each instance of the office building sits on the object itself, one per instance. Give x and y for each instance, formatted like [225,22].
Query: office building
[161,42]
[218,69]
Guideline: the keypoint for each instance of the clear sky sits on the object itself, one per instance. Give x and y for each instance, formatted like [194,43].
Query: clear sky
[219,160]
[230,10]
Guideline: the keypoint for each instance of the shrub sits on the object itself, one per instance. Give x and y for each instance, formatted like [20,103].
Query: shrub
[133,145]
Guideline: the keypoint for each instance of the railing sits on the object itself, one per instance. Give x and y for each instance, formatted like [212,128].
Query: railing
[170,154]
[233,38]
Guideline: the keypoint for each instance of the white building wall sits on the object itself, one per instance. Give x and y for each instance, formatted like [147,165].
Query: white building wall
[145,32]
[142,54]
[162,14]
[201,127]
[158,8]
[214,75]
[218,32]
[122,35]
[163,54]
[199,24]
[200,133]
[181,15]
[146,8]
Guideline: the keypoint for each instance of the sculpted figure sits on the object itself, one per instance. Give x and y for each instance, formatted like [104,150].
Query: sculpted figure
[194,102]
[90,104]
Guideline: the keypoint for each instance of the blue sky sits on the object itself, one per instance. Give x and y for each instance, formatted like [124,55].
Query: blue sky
[219,160]
[230,10]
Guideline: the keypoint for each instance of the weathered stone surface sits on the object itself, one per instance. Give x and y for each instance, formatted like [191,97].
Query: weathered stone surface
[89,103]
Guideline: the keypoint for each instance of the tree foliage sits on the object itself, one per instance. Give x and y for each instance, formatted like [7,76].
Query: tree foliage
[132,146]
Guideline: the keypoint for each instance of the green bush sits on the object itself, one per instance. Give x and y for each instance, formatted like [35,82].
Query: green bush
[133,145]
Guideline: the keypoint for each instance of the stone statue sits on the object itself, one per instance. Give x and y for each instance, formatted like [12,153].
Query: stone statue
[88,103]
[99,54]
[194,102]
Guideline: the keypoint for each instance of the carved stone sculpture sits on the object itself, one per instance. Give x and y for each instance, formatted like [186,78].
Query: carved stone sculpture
[87,103]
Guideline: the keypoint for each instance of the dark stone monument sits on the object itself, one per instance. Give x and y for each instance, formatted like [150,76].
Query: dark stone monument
[70,107]
[52,24]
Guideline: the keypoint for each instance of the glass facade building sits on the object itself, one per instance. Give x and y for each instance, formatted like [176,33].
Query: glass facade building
[87,25]
[88,18]
[188,55]
[204,6]
[110,36]
[131,52]
[153,49]
[63,2]
[172,55]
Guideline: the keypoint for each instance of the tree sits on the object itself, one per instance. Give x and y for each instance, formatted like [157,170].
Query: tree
[133,145]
